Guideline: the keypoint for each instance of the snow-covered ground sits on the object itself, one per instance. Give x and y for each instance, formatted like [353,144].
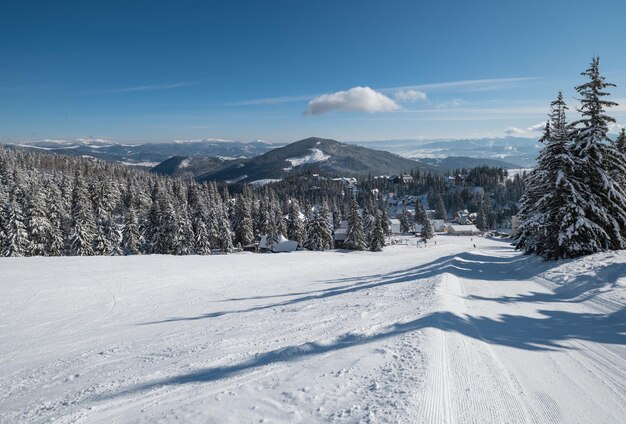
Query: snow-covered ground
[449,333]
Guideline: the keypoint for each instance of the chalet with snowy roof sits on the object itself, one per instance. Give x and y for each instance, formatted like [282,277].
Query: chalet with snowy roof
[463,230]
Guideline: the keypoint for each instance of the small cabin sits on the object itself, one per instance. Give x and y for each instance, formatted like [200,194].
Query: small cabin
[463,230]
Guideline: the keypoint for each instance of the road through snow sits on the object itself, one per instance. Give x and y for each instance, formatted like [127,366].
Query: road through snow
[446,334]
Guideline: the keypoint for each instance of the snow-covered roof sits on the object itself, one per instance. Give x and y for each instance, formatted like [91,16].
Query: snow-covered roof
[459,228]
[283,244]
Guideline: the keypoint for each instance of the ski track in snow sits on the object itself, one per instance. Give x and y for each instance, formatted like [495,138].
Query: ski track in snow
[444,334]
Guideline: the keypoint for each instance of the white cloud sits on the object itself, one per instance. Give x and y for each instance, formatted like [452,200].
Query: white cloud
[356,99]
[537,127]
[514,130]
[410,96]
[459,86]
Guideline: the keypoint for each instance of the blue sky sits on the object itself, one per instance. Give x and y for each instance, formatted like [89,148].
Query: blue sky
[137,71]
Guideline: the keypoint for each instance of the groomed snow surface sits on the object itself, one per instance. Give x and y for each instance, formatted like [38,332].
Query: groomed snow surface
[450,333]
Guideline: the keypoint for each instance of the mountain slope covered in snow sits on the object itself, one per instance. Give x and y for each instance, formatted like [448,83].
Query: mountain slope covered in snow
[448,333]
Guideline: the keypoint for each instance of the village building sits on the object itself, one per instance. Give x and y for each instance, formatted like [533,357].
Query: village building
[463,230]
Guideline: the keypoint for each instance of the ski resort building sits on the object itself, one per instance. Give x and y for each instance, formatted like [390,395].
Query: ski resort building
[463,230]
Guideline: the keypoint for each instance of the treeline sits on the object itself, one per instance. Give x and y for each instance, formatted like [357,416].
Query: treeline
[575,199]
[53,205]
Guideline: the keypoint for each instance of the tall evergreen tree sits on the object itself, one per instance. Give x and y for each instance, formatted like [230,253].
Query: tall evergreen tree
[83,225]
[377,240]
[355,237]
[601,169]
[37,222]
[131,235]
[319,233]
[296,227]
[405,221]
[428,231]
[440,211]
[16,237]
[242,221]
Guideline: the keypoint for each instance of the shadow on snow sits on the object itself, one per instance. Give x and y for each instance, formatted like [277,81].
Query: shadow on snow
[521,332]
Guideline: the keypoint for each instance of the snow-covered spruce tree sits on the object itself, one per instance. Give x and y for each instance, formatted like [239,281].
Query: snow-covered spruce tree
[183,241]
[150,226]
[37,223]
[386,223]
[83,225]
[440,211]
[420,214]
[554,195]
[531,219]
[377,240]
[318,232]
[428,231]
[4,200]
[101,244]
[481,220]
[56,216]
[168,225]
[226,235]
[16,236]
[131,235]
[202,245]
[421,218]
[562,191]
[242,221]
[296,227]
[369,222]
[601,225]
[355,238]
[405,221]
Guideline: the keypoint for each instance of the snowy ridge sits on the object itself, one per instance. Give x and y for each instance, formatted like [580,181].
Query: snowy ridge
[315,156]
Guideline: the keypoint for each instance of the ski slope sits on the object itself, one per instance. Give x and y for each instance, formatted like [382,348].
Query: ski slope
[451,333]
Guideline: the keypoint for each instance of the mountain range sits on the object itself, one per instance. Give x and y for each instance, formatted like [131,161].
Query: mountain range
[228,160]
[151,154]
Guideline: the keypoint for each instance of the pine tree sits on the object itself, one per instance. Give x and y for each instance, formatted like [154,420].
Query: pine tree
[377,240]
[243,226]
[386,223]
[82,225]
[16,241]
[296,227]
[601,169]
[440,211]
[405,221]
[355,238]
[226,235]
[428,231]
[420,214]
[552,199]
[481,220]
[55,213]
[131,235]
[150,228]
[183,237]
[319,233]
[37,222]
